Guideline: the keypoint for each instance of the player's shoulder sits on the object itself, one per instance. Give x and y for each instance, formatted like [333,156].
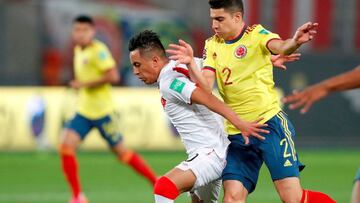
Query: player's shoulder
[99,45]
[257,30]
[254,29]
[214,39]
[172,71]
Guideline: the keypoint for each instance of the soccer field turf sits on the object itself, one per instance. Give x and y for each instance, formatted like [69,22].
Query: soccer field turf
[37,177]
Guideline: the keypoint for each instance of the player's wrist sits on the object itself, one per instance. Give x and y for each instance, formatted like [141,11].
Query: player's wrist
[192,63]
[296,43]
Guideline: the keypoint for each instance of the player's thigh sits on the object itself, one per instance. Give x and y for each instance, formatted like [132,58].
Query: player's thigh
[207,167]
[234,191]
[278,150]
[356,190]
[183,179]
[289,189]
[76,130]
[208,193]
[108,127]
[243,163]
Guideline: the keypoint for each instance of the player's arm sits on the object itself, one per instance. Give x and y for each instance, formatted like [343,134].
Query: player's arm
[311,94]
[184,54]
[303,34]
[199,96]
[110,76]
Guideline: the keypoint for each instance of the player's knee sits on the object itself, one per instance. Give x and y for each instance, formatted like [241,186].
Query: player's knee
[290,198]
[231,197]
[66,150]
[166,188]
[124,155]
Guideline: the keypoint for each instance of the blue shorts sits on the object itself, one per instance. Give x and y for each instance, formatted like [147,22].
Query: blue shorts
[357,178]
[107,127]
[277,151]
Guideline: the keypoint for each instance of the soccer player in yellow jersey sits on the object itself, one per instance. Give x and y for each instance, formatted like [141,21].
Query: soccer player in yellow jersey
[238,58]
[95,70]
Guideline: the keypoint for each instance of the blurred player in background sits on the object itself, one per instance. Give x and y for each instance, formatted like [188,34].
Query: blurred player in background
[318,91]
[239,58]
[188,107]
[95,71]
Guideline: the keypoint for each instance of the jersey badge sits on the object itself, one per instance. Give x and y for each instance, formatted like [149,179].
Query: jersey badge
[264,32]
[240,52]
[177,85]
[103,56]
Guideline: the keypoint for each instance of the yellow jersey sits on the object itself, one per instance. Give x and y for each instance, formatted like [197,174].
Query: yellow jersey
[244,74]
[91,63]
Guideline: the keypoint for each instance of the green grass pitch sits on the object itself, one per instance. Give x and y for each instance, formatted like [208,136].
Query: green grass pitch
[37,178]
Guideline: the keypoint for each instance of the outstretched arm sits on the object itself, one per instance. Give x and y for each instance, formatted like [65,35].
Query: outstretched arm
[110,76]
[247,129]
[184,54]
[309,95]
[303,34]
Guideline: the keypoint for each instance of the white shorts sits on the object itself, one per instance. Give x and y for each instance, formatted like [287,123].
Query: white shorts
[207,168]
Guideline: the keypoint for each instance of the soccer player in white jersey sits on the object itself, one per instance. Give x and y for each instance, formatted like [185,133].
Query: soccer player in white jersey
[188,107]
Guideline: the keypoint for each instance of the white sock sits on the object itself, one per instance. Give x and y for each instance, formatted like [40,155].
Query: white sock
[162,199]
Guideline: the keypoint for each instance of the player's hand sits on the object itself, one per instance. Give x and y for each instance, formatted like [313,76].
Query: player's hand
[279,60]
[252,129]
[305,33]
[305,98]
[75,84]
[182,52]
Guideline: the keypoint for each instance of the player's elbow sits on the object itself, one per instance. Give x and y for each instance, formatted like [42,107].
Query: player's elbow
[115,78]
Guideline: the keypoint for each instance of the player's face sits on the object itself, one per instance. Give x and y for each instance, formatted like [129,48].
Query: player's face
[83,33]
[226,24]
[143,67]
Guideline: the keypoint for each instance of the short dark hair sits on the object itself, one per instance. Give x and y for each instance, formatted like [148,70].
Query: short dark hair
[84,19]
[229,5]
[146,41]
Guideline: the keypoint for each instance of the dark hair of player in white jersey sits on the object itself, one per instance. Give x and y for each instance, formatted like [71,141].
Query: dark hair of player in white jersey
[147,41]
[229,5]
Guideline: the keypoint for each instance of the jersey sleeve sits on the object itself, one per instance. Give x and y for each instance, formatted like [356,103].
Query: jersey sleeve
[208,59]
[105,61]
[265,37]
[179,88]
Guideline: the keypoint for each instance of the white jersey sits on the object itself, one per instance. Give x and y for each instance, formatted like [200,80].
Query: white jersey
[200,129]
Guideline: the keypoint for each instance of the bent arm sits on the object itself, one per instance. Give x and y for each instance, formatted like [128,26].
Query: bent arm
[199,96]
[283,47]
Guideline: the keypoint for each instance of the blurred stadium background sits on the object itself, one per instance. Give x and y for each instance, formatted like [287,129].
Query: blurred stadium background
[36,64]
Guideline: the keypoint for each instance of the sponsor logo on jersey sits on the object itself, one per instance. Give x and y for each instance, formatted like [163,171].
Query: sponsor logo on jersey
[163,102]
[287,163]
[240,52]
[214,56]
[177,85]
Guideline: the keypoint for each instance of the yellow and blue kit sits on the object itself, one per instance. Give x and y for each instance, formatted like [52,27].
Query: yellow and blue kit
[244,74]
[95,104]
